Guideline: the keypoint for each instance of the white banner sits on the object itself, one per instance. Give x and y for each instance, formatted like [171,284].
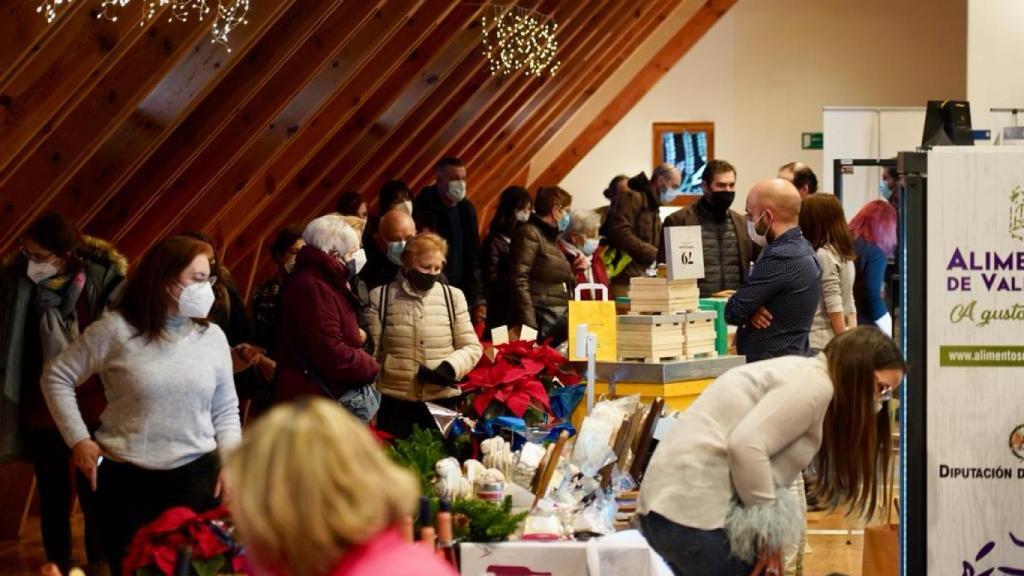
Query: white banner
[975,393]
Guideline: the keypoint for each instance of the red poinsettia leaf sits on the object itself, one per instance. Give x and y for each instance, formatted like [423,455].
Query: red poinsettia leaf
[205,542]
[569,378]
[219,513]
[482,400]
[517,403]
[171,520]
[164,558]
[535,389]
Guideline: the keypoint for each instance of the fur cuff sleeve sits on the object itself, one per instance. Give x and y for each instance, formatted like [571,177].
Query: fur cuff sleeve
[774,526]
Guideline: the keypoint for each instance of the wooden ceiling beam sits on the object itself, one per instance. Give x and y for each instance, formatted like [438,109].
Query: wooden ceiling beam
[294,198]
[645,78]
[40,94]
[150,121]
[126,199]
[374,86]
[328,137]
[25,33]
[503,157]
[577,29]
[47,165]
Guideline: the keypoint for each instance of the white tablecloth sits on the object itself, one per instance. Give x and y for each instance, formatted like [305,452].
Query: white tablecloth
[622,554]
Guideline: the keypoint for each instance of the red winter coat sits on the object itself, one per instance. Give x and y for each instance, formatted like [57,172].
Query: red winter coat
[598,273]
[318,321]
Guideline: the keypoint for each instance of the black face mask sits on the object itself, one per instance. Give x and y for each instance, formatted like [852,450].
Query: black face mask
[722,201]
[421,280]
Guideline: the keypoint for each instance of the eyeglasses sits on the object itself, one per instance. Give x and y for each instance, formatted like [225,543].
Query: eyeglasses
[38,258]
[200,280]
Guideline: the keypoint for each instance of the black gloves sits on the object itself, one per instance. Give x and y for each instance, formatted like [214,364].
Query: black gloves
[443,375]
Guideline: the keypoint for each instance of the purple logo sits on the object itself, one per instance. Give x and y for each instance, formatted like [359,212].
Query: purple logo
[970,570]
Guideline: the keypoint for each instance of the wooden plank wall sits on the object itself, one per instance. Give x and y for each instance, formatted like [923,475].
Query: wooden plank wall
[137,132]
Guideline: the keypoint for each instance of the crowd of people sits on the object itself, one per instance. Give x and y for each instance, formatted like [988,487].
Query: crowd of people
[142,376]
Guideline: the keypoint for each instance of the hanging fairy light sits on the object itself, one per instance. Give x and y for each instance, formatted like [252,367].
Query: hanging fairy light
[229,14]
[49,8]
[517,38]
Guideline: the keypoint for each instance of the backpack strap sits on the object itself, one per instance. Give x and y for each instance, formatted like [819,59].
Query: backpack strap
[449,304]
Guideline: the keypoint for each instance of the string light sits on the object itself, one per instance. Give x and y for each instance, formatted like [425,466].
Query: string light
[50,8]
[516,38]
[229,14]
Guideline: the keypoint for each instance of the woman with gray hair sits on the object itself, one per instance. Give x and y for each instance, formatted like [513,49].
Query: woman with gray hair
[582,248]
[320,344]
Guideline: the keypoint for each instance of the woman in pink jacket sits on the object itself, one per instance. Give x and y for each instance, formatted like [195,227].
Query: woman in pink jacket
[313,494]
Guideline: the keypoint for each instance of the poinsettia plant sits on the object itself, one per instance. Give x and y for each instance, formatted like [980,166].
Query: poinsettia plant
[517,381]
[209,537]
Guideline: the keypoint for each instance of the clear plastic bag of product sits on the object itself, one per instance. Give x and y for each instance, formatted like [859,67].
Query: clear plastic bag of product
[597,517]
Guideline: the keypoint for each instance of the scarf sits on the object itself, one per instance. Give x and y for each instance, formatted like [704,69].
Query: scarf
[55,303]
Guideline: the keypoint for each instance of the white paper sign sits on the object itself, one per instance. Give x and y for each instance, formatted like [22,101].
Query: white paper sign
[975,350]
[684,252]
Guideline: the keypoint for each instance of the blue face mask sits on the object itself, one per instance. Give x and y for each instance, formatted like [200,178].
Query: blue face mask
[590,245]
[670,194]
[395,250]
[884,190]
[563,224]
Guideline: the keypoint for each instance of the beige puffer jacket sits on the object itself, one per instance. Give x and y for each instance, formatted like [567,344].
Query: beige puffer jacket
[420,329]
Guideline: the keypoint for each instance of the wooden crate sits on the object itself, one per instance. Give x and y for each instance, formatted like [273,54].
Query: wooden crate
[663,296]
[699,335]
[650,338]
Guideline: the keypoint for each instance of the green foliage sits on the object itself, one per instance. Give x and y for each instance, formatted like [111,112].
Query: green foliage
[210,567]
[419,453]
[482,521]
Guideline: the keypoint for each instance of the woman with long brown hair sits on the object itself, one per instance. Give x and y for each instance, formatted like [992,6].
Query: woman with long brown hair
[824,225]
[716,497]
[171,402]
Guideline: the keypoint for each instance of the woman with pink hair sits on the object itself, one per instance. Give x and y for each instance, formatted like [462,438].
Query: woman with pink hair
[874,241]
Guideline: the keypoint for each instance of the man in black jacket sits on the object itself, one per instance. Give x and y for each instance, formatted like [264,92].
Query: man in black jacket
[728,250]
[444,209]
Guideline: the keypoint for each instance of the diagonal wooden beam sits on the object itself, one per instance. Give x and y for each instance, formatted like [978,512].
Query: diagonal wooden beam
[334,132]
[58,154]
[25,33]
[576,51]
[163,110]
[433,91]
[41,93]
[645,78]
[162,165]
[328,117]
[330,45]
[514,145]
[578,29]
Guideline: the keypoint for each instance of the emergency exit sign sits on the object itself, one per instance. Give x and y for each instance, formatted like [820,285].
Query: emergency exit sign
[812,141]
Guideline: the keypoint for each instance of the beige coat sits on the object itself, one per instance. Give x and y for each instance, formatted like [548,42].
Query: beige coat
[418,329]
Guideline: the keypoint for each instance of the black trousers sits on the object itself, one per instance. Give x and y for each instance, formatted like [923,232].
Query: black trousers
[397,417]
[130,497]
[56,477]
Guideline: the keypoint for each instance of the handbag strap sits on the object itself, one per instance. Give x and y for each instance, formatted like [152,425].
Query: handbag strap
[310,372]
[449,304]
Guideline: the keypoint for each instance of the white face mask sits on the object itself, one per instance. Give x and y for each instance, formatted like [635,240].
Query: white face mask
[39,271]
[759,239]
[407,204]
[196,300]
[289,265]
[878,407]
[356,263]
[523,215]
[457,190]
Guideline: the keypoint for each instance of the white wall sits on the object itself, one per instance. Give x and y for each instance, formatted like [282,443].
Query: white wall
[995,51]
[765,71]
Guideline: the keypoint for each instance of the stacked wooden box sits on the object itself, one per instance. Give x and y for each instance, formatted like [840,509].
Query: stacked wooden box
[651,338]
[699,334]
[662,296]
[664,323]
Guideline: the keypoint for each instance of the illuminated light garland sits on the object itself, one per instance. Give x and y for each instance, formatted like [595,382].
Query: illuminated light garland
[516,38]
[229,15]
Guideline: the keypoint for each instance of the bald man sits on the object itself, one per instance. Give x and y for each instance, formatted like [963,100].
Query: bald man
[776,304]
[803,178]
[384,251]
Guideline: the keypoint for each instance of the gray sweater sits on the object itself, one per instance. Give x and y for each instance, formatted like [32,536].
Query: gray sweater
[836,295]
[169,401]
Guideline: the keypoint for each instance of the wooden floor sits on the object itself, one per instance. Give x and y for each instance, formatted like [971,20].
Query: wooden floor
[830,553]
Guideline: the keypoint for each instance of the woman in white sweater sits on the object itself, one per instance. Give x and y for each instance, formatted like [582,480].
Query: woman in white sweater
[824,225]
[716,499]
[171,402]
[425,342]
